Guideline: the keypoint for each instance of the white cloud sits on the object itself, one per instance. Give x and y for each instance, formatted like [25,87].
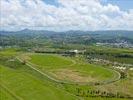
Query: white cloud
[70,14]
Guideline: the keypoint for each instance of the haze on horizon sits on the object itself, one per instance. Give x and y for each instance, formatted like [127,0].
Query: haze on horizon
[63,15]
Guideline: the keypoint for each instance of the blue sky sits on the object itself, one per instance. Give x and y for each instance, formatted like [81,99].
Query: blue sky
[52,2]
[62,15]
[123,4]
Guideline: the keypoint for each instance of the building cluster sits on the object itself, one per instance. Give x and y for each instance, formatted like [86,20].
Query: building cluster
[115,65]
[120,44]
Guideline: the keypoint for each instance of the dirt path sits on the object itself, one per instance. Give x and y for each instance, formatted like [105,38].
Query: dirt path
[116,78]
[46,75]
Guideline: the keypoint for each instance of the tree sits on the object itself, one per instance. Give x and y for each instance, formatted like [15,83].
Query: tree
[24,62]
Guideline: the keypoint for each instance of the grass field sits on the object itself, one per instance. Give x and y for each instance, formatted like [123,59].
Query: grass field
[4,95]
[50,61]
[20,82]
[69,70]
[27,86]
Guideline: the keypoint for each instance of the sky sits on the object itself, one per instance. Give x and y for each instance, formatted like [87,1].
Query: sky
[63,15]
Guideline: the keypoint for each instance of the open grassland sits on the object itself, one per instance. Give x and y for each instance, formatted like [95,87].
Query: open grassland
[5,95]
[69,70]
[20,82]
[26,86]
[50,61]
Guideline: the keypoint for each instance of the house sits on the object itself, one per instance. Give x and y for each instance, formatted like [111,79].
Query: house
[75,52]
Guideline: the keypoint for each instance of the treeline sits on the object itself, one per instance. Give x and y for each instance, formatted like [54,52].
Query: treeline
[99,93]
[116,55]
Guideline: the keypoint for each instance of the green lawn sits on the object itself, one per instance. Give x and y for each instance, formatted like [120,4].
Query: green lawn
[50,61]
[26,86]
